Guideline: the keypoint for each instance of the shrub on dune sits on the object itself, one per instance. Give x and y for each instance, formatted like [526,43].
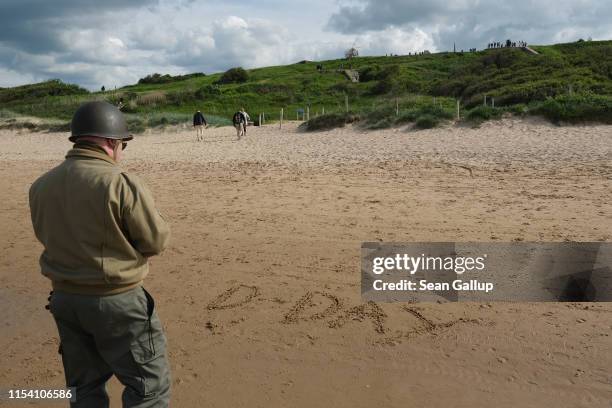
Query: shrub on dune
[426,121]
[483,113]
[383,123]
[330,121]
[407,117]
[234,75]
[576,108]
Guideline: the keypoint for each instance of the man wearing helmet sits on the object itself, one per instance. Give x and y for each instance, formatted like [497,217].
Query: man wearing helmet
[98,226]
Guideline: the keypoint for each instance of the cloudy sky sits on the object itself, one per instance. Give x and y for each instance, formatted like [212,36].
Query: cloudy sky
[116,42]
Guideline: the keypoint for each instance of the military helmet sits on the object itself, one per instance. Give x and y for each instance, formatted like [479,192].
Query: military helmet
[99,119]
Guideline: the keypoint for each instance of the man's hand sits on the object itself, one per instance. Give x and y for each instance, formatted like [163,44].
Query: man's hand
[48,305]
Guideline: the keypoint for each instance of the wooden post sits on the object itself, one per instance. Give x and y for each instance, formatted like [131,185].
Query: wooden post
[458,115]
[323,111]
[260,120]
[308,113]
[263,117]
[396,107]
[346,102]
[281,119]
[485,100]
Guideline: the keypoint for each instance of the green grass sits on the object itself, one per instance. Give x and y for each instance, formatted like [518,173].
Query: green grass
[408,110]
[576,108]
[7,114]
[519,82]
[426,121]
[483,113]
[330,121]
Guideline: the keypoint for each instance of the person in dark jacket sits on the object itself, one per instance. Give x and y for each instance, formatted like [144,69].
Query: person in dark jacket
[238,120]
[199,123]
[247,118]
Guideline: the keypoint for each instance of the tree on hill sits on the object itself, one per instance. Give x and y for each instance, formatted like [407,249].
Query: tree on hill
[155,79]
[351,53]
[166,78]
[234,75]
[52,87]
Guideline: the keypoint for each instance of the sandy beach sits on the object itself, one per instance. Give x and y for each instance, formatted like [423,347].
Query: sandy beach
[259,291]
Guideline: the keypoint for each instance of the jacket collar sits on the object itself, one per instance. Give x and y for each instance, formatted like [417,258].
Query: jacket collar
[89,151]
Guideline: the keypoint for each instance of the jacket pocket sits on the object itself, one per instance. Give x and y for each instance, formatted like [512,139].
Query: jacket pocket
[152,341]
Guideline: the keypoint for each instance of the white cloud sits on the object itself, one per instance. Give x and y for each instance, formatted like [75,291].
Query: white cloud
[116,42]
[9,77]
[232,23]
[395,41]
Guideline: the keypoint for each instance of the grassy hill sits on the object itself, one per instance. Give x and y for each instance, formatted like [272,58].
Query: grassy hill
[565,82]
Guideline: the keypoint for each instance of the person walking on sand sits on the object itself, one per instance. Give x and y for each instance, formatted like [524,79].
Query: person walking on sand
[99,226]
[238,120]
[199,123]
[246,119]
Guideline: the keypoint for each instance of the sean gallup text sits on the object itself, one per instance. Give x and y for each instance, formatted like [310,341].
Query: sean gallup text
[473,285]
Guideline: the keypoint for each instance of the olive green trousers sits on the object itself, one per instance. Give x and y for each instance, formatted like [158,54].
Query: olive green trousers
[121,335]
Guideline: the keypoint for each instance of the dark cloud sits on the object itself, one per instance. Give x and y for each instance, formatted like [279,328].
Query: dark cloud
[44,9]
[35,25]
[44,39]
[378,15]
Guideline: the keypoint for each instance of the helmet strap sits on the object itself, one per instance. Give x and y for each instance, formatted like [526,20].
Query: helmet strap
[116,148]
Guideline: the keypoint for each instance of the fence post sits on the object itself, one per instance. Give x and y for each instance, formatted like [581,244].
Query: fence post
[396,107]
[263,117]
[260,120]
[485,100]
[281,119]
[346,102]
[323,111]
[308,113]
[458,115]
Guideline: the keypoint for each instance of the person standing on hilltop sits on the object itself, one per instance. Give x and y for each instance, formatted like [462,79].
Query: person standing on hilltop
[99,226]
[199,122]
